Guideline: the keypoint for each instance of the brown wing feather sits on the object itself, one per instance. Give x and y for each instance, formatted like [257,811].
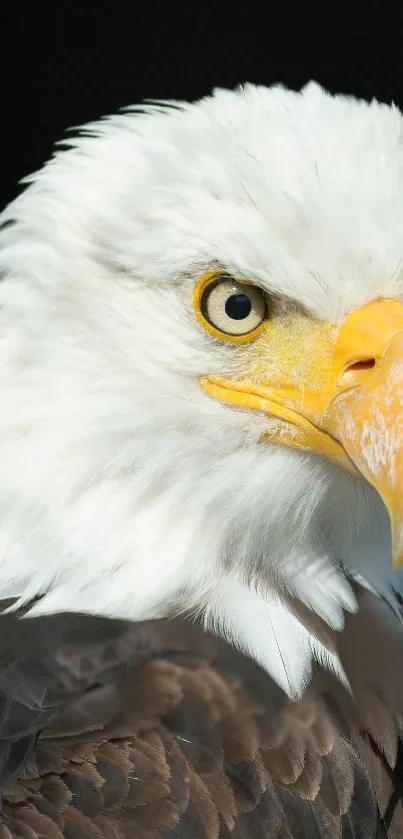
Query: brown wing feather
[160,731]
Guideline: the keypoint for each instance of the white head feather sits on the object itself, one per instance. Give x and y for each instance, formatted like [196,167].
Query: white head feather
[124,490]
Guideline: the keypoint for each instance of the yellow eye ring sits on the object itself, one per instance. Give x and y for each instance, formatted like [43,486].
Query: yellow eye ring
[230,310]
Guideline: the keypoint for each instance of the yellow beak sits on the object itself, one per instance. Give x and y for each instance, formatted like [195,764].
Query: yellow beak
[337,391]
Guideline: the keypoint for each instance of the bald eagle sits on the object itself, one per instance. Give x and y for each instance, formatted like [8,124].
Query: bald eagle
[201,353]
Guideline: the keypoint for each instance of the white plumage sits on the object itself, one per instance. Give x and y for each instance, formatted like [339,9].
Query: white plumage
[124,489]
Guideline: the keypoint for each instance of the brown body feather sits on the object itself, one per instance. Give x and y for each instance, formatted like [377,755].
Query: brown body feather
[156,731]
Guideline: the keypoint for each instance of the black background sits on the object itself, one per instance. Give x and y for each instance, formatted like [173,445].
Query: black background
[63,64]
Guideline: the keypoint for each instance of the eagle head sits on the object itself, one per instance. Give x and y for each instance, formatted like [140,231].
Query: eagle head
[200,333]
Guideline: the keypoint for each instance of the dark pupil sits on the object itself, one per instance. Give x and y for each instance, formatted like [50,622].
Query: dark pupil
[238,306]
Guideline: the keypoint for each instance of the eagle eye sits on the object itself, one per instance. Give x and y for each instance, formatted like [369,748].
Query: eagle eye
[230,309]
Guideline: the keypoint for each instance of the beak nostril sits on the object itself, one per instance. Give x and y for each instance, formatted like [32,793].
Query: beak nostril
[362,364]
